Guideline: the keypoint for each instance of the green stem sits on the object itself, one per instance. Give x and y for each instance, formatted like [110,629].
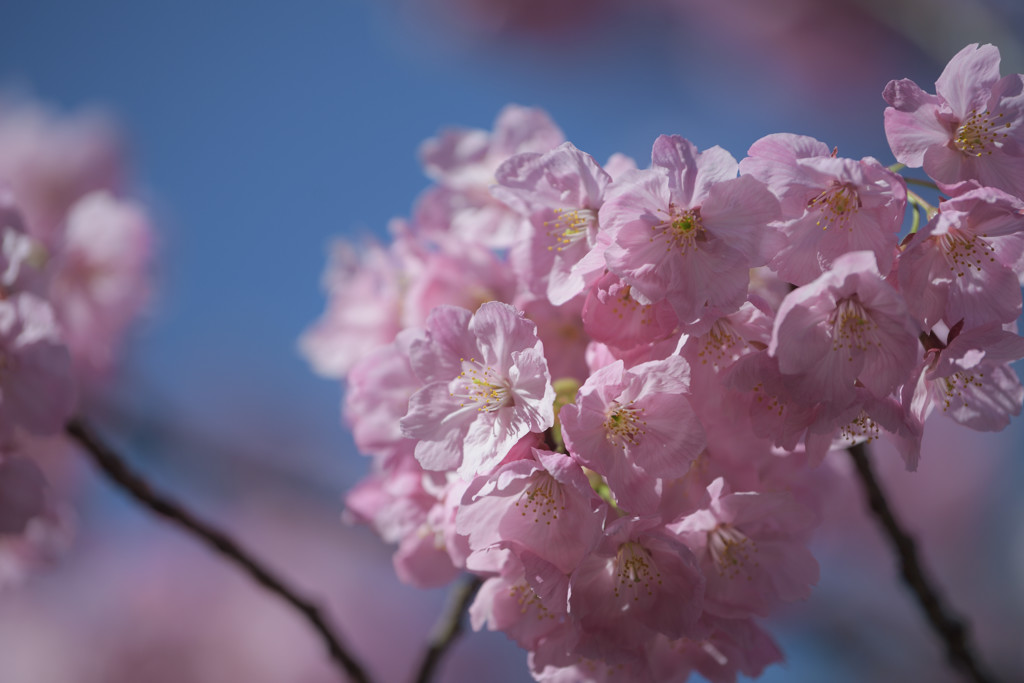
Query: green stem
[921,183]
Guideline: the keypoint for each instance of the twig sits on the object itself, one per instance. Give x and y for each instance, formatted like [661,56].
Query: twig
[953,631]
[115,468]
[448,627]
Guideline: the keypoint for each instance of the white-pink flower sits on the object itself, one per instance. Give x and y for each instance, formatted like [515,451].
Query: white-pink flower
[486,385]
[560,192]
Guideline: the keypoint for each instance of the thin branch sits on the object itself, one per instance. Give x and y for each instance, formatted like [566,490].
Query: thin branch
[952,630]
[118,471]
[448,627]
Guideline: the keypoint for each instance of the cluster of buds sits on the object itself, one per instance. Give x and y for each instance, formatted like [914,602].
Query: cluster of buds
[74,264]
[605,389]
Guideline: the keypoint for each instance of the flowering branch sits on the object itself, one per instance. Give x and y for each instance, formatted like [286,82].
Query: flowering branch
[448,627]
[115,468]
[953,631]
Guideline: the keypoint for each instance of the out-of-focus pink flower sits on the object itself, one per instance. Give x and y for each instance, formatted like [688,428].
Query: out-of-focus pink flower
[732,647]
[22,257]
[364,293]
[102,278]
[51,161]
[374,292]
[37,390]
[22,493]
[464,162]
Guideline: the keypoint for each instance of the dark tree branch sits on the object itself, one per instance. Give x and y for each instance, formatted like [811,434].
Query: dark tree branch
[448,627]
[117,470]
[952,630]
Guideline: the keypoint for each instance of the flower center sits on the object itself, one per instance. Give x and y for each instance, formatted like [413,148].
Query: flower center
[481,386]
[569,227]
[852,328]
[542,499]
[860,429]
[718,346]
[635,571]
[528,599]
[954,385]
[732,551]
[980,133]
[964,252]
[836,204]
[624,424]
[682,229]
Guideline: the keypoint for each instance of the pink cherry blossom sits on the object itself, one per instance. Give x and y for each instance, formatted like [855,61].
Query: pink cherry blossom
[364,292]
[50,161]
[543,504]
[560,192]
[863,420]
[965,263]
[634,427]
[486,385]
[102,278]
[688,230]
[714,344]
[845,327]
[463,163]
[612,315]
[830,205]
[379,387]
[972,128]
[528,602]
[37,390]
[641,580]
[970,379]
[732,647]
[751,547]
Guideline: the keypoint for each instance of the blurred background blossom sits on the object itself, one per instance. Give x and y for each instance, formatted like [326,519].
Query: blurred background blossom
[255,135]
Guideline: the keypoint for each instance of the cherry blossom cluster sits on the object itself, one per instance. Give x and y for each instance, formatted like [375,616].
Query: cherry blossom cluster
[73,274]
[605,389]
